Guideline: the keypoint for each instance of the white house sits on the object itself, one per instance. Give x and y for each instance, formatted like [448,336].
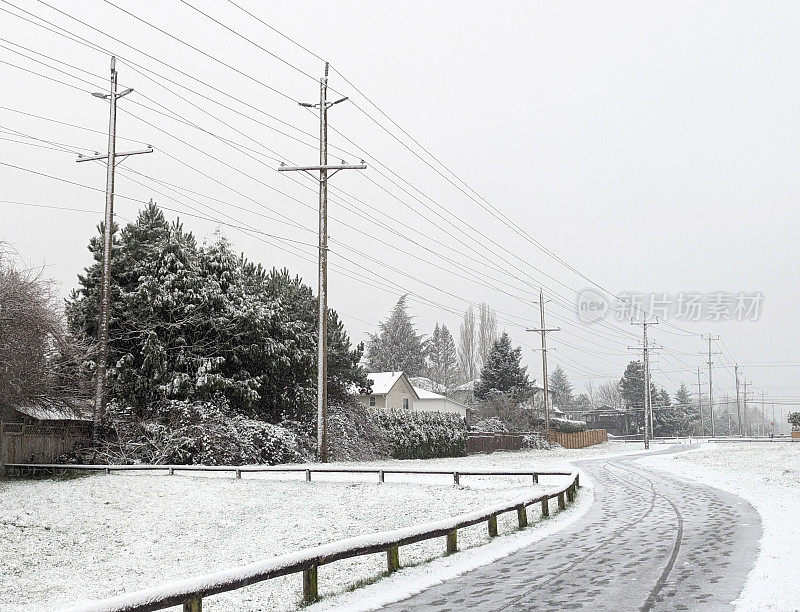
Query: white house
[394,390]
[390,390]
[433,402]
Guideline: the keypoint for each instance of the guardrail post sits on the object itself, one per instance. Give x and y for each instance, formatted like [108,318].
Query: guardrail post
[493,526]
[545,507]
[456,478]
[193,604]
[171,471]
[535,478]
[308,475]
[310,592]
[577,481]
[570,493]
[108,470]
[522,517]
[238,474]
[380,475]
[393,558]
[452,542]
[561,503]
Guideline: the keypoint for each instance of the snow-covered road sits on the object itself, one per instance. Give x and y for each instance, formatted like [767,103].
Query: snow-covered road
[650,541]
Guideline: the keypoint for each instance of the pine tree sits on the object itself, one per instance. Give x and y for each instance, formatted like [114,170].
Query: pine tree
[502,372]
[561,388]
[442,359]
[397,347]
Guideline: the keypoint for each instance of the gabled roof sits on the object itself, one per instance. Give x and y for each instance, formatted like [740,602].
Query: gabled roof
[425,394]
[383,382]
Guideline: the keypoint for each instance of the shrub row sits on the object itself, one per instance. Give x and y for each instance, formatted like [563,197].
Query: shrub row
[423,435]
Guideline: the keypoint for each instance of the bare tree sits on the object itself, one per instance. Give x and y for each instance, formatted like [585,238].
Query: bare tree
[487,333]
[610,394]
[467,346]
[591,393]
[39,361]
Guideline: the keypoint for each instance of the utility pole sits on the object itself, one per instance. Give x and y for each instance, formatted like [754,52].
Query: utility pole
[745,404]
[105,286]
[738,407]
[648,400]
[763,416]
[710,383]
[728,412]
[544,330]
[322,313]
[700,401]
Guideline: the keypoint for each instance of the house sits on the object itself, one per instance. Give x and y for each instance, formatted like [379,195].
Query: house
[433,402]
[390,390]
[615,421]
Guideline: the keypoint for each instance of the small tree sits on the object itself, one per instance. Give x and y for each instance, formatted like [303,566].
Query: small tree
[561,388]
[794,419]
[442,359]
[503,372]
[397,347]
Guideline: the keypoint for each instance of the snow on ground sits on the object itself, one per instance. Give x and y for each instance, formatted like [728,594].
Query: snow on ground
[68,540]
[768,476]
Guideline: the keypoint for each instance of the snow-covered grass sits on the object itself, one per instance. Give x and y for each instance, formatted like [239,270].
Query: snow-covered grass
[76,539]
[768,476]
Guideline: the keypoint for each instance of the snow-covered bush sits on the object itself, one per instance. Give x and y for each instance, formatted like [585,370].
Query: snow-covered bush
[356,434]
[530,442]
[423,435]
[794,420]
[489,425]
[567,425]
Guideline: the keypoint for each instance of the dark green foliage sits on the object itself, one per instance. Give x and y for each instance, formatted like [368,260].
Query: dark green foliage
[423,435]
[355,434]
[794,419]
[443,366]
[397,347]
[202,324]
[503,373]
[561,388]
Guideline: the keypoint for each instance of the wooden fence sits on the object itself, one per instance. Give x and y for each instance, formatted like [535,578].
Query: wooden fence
[488,442]
[190,592]
[579,439]
[20,442]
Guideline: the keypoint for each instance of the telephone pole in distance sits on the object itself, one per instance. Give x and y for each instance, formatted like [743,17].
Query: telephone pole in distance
[710,338]
[105,286]
[322,313]
[544,330]
[648,400]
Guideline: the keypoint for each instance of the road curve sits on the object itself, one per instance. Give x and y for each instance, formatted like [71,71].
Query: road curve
[649,542]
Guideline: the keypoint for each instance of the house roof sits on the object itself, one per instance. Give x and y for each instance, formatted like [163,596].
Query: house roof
[57,412]
[425,394]
[383,382]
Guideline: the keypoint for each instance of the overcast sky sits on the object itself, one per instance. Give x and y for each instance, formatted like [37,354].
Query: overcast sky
[653,147]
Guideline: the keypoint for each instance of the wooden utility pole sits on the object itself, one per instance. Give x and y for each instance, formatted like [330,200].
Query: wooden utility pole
[700,402]
[738,407]
[648,400]
[105,284]
[744,411]
[710,382]
[544,330]
[322,312]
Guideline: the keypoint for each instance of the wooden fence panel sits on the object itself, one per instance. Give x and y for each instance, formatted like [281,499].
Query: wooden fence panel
[22,443]
[579,439]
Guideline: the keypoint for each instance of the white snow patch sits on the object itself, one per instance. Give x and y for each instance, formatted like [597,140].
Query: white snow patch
[768,476]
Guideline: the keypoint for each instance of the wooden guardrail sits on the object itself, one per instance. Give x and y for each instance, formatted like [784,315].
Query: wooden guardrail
[190,592]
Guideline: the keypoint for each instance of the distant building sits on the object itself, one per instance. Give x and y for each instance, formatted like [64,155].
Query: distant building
[615,421]
[390,390]
[433,402]
[394,390]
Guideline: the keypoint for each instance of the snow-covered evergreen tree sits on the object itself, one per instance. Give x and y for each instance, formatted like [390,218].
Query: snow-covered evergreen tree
[442,359]
[397,347]
[502,372]
[487,333]
[561,388]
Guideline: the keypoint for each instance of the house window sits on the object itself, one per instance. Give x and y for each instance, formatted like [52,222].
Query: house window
[405,403]
[372,400]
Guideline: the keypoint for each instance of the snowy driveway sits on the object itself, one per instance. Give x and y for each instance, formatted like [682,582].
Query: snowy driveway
[650,541]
